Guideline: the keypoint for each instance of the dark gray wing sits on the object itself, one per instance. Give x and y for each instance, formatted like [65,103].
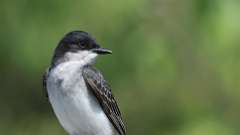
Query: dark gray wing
[102,91]
[44,79]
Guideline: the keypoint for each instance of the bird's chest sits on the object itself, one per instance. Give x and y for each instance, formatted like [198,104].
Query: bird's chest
[68,95]
[75,107]
[66,79]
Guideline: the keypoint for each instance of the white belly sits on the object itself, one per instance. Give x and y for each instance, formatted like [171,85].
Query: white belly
[75,107]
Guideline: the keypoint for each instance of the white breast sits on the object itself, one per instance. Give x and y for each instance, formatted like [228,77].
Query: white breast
[75,107]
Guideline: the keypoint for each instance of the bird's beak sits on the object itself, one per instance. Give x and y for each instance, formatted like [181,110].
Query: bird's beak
[102,51]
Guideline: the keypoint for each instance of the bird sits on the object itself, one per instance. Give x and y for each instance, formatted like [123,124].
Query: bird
[81,98]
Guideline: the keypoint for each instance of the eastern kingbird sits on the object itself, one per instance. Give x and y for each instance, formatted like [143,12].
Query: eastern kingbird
[80,97]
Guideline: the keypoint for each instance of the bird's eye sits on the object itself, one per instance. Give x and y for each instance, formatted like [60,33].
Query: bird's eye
[82,44]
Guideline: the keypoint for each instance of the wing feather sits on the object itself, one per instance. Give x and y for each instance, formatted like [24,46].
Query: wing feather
[102,91]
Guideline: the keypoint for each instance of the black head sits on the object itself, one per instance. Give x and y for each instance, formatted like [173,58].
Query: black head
[78,41]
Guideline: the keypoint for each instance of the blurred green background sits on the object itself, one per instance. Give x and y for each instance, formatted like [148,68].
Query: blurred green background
[175,68]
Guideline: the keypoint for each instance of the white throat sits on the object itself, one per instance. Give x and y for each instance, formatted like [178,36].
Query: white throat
[85,57]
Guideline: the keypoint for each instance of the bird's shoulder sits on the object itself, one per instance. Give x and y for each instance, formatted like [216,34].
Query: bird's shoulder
[44,81]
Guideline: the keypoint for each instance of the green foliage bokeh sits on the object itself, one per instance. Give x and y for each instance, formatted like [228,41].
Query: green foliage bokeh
[174,69]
